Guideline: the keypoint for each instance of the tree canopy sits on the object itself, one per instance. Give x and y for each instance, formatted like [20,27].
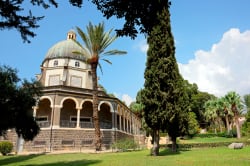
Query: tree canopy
[12,17]
[16,104]
[139,15]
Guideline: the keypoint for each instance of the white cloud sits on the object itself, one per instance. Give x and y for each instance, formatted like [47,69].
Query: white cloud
[223,68]
[125,98]
[142,46]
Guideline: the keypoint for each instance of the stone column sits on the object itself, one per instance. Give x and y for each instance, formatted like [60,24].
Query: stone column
[55,117]
[130,126]
[78,118]
[120,122]
[34,111]
[127,125]
[124,123]
[113,120]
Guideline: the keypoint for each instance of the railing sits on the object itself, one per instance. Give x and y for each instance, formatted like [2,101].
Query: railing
[70,124]
[86,124]
[43,124]
[106,125]
[67,123]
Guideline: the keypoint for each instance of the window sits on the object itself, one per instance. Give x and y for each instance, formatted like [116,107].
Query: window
[55,62]
[77,64]
[82,119]
[42,119]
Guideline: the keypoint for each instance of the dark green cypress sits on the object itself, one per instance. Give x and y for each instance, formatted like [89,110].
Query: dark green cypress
[163,88]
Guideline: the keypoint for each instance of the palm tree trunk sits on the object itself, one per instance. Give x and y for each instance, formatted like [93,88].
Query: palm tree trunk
[237,124]
[218,121]
[227,124]
[156,145]
[98,143]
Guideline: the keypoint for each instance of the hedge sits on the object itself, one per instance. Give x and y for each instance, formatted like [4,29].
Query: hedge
[204,145]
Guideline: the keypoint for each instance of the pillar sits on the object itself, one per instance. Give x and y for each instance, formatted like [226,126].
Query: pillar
[78,117]
[34,111]
[120,122]
[55,116]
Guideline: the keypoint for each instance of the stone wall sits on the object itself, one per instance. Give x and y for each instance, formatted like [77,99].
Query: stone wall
[69,139]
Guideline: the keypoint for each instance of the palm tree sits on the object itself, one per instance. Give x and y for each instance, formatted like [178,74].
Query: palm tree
[211,112]
[96,40]
[224,105]
[236,105]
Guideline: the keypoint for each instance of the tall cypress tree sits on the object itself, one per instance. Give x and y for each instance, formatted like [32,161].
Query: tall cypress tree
[163,83]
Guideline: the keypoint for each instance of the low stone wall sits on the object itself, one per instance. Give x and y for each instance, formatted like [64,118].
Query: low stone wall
[69,139]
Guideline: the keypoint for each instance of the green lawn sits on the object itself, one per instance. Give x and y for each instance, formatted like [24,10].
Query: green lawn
[212,139]
[205,156]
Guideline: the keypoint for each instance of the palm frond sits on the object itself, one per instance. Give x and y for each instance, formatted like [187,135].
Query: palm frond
[82,51]
[96,40]
[115,52]
[85,39]
[99,65]
[106,60]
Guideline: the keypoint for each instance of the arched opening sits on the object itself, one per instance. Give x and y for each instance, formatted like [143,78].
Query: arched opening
[68,117]
[105,116]
[43,113]
[86,114]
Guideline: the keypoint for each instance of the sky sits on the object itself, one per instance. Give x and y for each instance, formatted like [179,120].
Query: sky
[212,40]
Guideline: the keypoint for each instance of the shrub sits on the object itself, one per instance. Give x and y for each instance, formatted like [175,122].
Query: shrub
[5,147]
[193,125]
[125,144]
[231,134]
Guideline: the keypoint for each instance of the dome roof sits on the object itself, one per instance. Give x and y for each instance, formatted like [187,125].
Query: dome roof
[65,48]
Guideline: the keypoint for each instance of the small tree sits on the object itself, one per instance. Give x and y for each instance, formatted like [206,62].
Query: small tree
[16,104]
[193,125]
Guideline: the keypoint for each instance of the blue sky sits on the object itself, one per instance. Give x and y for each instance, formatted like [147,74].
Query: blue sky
[212,40]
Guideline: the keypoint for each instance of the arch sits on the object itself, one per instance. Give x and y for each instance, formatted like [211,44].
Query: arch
[49,98]
[71,98]
[85,100]
[105,113]
[43,112]
[68,112]
[108,103]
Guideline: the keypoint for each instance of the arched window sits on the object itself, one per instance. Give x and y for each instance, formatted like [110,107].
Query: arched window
[55,62]
[77,64]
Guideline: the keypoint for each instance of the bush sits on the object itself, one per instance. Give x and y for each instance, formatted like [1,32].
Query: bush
[125,144]
[193,125]
[232,134]
[5,147]
[245,130]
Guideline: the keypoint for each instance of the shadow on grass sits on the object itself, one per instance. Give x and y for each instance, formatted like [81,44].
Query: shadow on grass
[16,159]
[168,152]
[73,163]
[19,159]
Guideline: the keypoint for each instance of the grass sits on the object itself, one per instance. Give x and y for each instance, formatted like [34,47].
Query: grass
[212,140]
[202,157]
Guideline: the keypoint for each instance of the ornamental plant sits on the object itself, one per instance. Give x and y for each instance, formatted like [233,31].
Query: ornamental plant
[5,147]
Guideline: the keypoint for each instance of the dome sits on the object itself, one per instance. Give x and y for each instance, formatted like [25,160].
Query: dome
[65,48]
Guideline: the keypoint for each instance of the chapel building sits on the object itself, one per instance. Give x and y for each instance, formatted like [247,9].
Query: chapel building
[64,112]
